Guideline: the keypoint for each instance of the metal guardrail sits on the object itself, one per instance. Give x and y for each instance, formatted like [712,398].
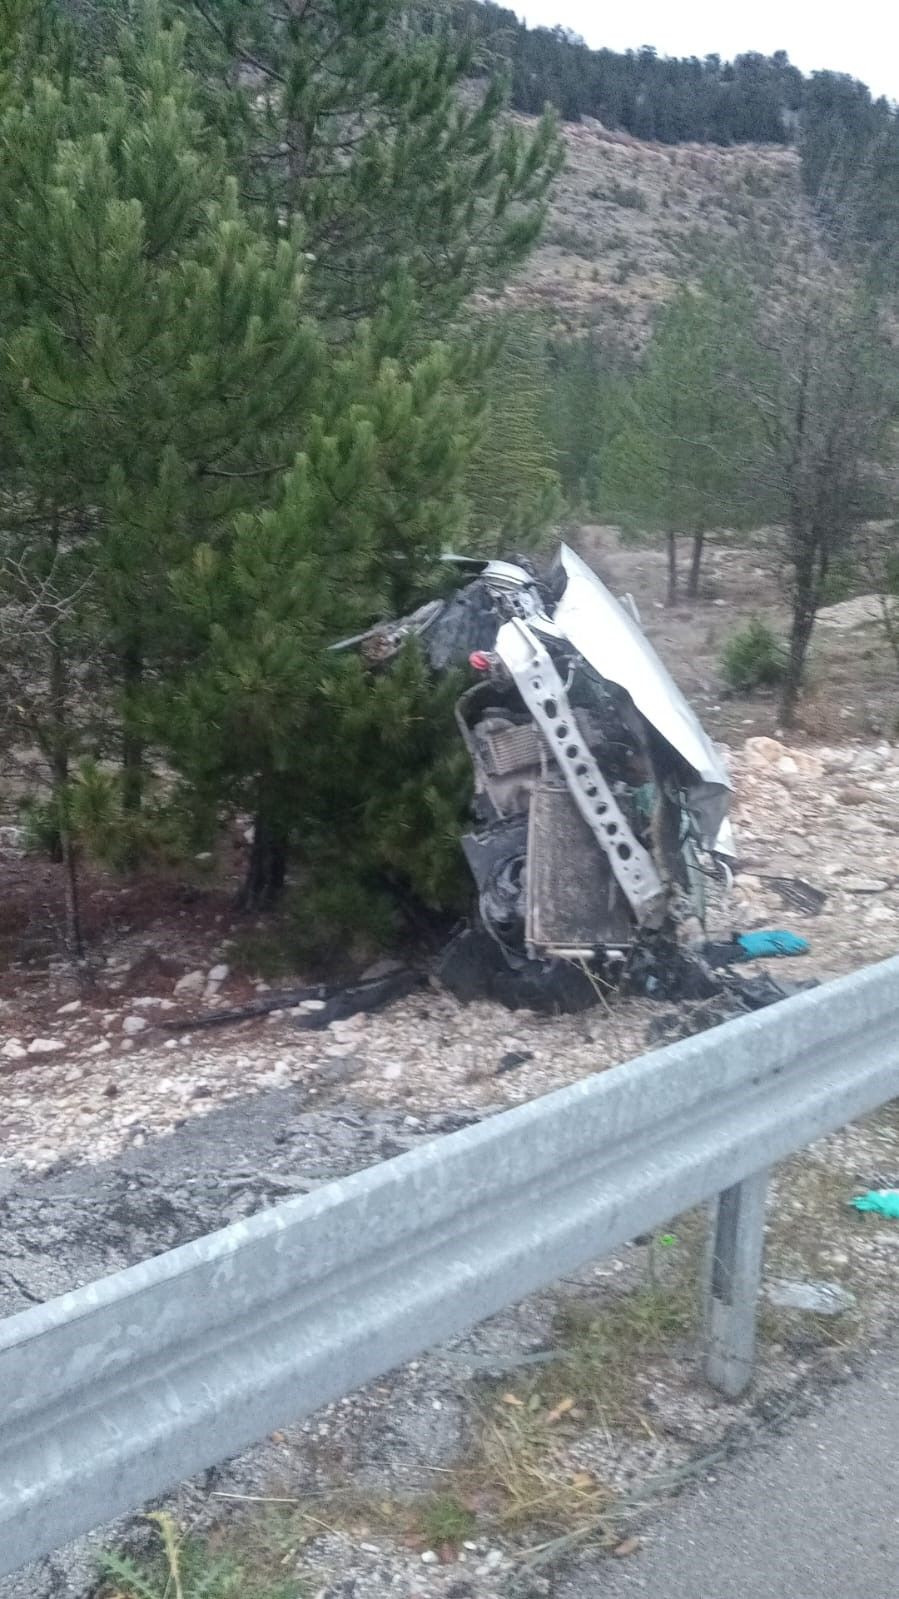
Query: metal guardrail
[112,1393]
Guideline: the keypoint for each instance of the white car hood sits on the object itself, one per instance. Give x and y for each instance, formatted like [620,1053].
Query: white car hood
[601,630]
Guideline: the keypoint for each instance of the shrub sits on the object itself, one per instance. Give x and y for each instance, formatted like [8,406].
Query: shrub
[753,657]
[578,241]
[624,269]
[627,195]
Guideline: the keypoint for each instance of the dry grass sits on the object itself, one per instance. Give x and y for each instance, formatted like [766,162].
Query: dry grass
[521,1475]
[521,1480]
[229,1566]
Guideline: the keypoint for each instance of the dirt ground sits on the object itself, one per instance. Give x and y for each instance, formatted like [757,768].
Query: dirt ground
[852,680]
[87,1070]
[106,1096]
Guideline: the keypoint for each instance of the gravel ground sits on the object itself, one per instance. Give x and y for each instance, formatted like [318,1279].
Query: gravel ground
[119,1141]
[107,1076]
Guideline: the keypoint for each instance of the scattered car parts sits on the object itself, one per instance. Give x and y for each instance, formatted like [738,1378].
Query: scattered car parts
[600,803]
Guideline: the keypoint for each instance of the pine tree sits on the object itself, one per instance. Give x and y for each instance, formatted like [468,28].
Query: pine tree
[680,462]
[511,484]
[357,117]
[588,379]
[255,718]
[824,391]
[219,464]
[347,114]
[155,364]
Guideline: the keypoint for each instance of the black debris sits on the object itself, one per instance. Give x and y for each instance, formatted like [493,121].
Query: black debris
[514,1057]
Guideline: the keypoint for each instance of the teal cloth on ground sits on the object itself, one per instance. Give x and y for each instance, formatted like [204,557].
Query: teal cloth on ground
[755,945]
[884,1200]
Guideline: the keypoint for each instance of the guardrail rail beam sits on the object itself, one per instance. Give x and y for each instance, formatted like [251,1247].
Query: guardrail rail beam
[115,1391]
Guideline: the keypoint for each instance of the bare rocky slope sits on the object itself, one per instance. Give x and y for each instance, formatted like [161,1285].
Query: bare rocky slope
[629,218]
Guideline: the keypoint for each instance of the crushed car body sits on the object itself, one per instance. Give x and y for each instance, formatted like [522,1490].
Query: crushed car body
[600,804]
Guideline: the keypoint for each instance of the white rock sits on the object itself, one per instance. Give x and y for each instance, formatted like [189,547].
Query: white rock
[45,1046]
[190,983]
[348,1026]
[217,974]
[170,1043]
[152,1002]
[70,1009]
[838,763]
[133,1024]
[277,1077]
[393,1072]
[762,752]
[339,1051]
[429,1558]
[99,1048]
[311,1004]
[824,1298]
[13,1049]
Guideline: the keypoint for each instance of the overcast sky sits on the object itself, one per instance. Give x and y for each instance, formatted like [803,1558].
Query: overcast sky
[861,38]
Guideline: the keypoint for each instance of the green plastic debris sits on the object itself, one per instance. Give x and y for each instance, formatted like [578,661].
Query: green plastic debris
[883,1200]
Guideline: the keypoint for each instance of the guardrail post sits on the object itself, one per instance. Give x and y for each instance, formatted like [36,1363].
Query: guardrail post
[734,1272]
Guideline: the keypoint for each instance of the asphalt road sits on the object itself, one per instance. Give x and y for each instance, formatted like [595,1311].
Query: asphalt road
[814,1514]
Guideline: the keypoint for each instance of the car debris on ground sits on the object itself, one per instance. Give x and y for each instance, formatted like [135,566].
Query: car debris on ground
[884,1201]
[600,803]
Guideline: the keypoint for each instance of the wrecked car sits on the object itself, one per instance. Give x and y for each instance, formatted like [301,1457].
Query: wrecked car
[600,804]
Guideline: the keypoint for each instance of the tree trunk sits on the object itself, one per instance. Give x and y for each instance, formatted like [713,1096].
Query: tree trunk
[74,934]
[671,597]
[263,884]
[59,765]
[59,749]
[132,743]
[805,606]
[297,134]
[695,566]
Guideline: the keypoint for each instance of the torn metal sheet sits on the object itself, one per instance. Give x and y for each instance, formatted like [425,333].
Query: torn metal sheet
[608,637]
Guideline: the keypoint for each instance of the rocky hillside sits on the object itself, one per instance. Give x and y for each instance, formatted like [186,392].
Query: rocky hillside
[629,218]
